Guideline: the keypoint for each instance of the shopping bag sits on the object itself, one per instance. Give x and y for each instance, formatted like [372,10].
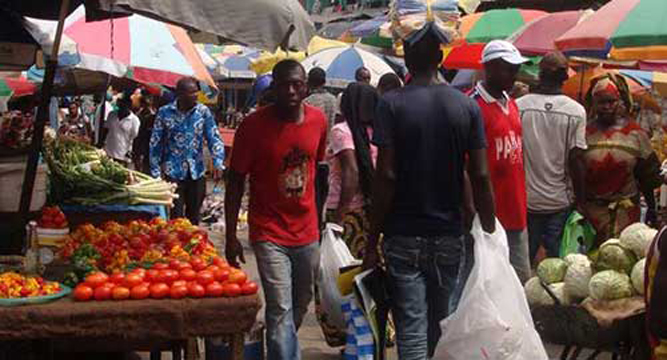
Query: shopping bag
[578,236]
[359,344]
[334,255]
[493,319]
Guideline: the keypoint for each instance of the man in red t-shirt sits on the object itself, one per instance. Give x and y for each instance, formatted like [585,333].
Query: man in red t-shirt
[502,125]
[278,148]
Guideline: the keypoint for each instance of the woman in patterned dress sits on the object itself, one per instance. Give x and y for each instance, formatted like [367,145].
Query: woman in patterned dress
[351,159]
[621,165]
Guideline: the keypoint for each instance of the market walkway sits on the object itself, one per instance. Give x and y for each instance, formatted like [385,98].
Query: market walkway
[310,336]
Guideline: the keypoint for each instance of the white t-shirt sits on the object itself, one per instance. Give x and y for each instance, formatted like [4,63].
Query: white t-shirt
[121,135]
[552,125]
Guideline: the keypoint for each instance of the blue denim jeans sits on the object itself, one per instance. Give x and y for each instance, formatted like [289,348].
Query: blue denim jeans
[288,277]
[546,230]
[424,285]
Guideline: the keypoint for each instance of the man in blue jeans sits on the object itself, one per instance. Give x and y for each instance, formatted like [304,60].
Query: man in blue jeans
[424,133]
[554,140]
[278,148]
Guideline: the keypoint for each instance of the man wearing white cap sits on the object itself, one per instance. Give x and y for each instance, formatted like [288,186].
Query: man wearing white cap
[502,125]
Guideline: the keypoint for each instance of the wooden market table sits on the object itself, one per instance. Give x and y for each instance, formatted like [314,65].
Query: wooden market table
[120,323]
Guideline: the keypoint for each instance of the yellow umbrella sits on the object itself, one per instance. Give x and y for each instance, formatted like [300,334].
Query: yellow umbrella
[319,43]
[265,63]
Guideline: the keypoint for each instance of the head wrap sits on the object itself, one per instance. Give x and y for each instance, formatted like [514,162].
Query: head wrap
[606,86]
[615,85]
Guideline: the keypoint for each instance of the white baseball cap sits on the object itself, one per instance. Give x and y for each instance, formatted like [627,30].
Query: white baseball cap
[501,49]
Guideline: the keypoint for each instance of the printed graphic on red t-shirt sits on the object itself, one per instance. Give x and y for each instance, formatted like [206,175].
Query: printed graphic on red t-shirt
[294,173]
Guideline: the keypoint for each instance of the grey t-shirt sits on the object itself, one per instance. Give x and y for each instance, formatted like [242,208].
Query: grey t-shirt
[552,125]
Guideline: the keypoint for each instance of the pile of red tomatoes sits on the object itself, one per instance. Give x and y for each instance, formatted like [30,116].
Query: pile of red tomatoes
[174,280]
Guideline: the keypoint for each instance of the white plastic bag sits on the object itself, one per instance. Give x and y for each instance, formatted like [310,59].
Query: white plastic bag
[493,319]
[334,254]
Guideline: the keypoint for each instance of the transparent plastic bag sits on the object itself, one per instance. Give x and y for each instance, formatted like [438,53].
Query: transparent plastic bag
[334,255]
[493,320]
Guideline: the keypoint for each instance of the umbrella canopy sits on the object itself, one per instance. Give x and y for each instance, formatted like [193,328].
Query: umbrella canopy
[16,87]
[652,80]
[577,87]
[135,47]
[621,30]
[495,24]
[480,28]
[258,23]
[232,61]
[538,36]
[319,43]
[341,63]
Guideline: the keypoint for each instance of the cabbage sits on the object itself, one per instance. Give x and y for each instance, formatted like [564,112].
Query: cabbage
[576,258]
[537,295]
[610,285]
[612,256]
[577,277]
[637,238]
[637,276]
[552,270]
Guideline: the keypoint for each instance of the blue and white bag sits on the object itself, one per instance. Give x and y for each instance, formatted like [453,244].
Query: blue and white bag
[360,344]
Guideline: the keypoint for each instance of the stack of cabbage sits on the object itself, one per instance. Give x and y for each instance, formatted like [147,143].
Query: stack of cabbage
[617,271]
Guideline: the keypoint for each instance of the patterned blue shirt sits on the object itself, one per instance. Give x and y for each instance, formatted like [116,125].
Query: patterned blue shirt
[177,142]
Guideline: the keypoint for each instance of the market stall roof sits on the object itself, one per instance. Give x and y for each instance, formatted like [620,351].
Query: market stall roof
[259,23]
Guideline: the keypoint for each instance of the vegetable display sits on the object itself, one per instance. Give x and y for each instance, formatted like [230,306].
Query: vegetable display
[610,285]
[613,256]
[552,270]
[16,129]
[536,294]
[81,174]
[14,285]
[610,273]
[637,238]
[114,247]
[577,277]
[176,280]
[52,218]
[637,276]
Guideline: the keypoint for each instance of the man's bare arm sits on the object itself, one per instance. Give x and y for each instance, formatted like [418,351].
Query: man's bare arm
[480,181]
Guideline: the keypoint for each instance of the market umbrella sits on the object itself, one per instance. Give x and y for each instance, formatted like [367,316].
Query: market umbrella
[577,87]
[319,43]
[16,86]
[478,29]
[262,24]
[538,36]
[650,79]
[341,63]
[495,24]
[232,61]
[135,47]
[620,30]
